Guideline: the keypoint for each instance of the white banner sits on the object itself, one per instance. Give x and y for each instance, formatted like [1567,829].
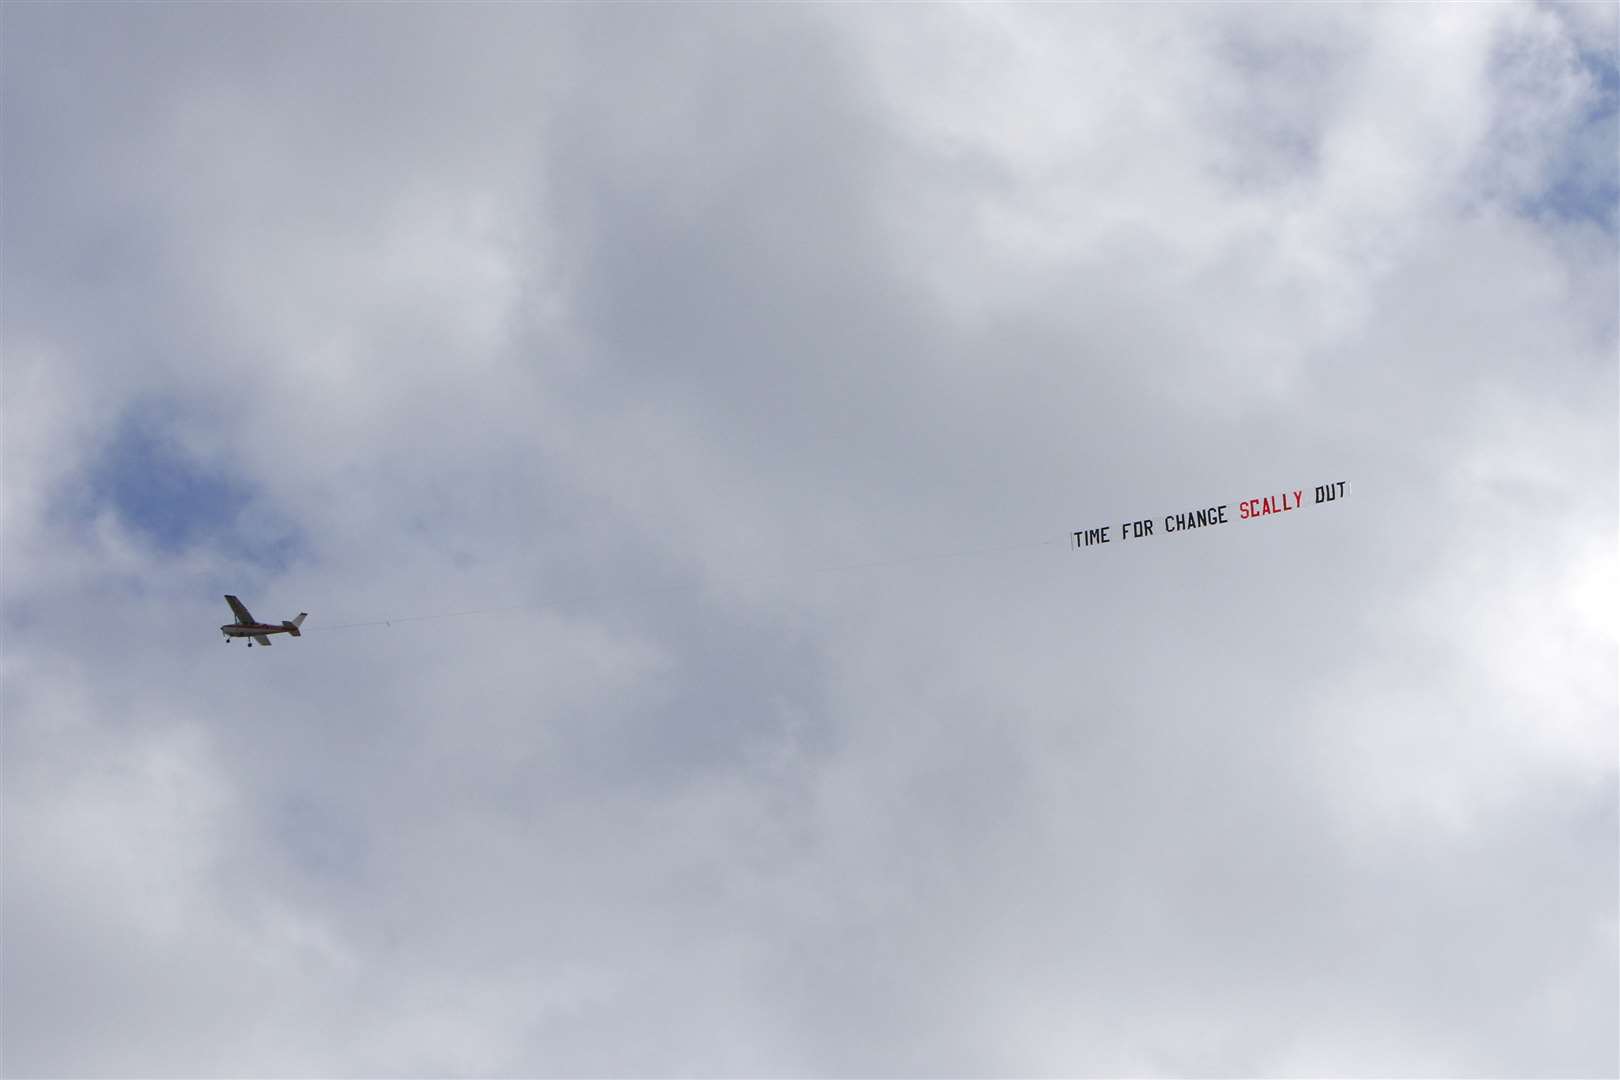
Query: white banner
[1283,502]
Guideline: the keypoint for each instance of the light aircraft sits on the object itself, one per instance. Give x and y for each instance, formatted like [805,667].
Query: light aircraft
[246,626]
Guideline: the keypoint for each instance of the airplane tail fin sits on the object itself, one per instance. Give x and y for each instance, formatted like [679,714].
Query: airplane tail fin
[292,625]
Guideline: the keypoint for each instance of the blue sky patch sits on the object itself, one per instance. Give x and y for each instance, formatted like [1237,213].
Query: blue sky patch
[175,499]
[159,489]
[1585,180]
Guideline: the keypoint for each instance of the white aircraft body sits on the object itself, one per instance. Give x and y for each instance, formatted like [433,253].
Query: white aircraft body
[248,627]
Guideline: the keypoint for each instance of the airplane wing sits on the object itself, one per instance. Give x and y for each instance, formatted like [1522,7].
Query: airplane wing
[262,640]
[239,609]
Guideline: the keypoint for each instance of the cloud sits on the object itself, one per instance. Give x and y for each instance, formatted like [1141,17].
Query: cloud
[633,327]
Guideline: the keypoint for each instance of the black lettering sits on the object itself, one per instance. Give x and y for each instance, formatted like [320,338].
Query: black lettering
[1220,514]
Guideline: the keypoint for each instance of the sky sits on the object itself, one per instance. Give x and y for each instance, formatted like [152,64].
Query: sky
[643,324]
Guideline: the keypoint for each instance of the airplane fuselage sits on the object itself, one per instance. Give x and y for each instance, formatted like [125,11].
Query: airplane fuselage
[255,629]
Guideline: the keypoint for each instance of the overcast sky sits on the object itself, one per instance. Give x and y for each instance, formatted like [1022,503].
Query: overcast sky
[638,318]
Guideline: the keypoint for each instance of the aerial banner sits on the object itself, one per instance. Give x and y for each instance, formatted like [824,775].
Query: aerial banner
[1283,502]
